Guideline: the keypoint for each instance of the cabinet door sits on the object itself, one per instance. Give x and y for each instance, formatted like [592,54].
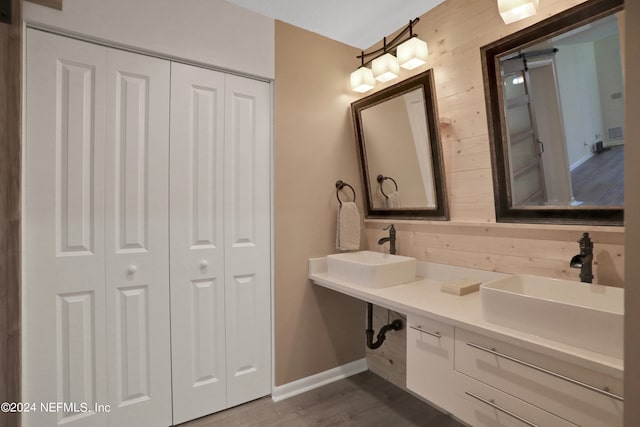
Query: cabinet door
[430,360]
[197,242]
[137,239]
[247,239]
[63,262]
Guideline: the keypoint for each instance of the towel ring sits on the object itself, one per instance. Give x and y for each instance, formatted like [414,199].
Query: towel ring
[339,186]
[381,178]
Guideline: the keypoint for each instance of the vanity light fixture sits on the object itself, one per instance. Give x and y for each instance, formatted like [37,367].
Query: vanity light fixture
[411,53]
[515,10]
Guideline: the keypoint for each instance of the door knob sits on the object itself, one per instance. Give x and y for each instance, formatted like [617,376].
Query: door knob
[132,270]
[204,264]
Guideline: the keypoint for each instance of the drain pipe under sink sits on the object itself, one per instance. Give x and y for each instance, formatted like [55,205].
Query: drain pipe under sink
[396,325]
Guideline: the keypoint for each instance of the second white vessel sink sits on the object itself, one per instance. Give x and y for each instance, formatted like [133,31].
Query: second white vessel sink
[579,314]
[371,269]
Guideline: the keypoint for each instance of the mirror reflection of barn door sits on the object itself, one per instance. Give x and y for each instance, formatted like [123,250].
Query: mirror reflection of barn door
[525,149]
[545,100]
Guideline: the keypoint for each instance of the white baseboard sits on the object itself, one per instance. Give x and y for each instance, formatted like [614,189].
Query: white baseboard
[318,380]
[580,161]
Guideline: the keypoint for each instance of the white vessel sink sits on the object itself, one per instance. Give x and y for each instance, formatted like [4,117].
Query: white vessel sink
[371,269]
[579,314]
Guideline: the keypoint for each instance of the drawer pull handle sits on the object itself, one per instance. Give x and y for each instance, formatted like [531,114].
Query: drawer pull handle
[605,392]
[505,411]
[433,334]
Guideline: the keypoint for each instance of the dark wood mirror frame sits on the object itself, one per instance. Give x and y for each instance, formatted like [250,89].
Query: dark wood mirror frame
[560,23]
[423,81]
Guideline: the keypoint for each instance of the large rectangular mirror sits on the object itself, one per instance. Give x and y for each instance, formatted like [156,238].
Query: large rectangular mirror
[400,152]
[555,101]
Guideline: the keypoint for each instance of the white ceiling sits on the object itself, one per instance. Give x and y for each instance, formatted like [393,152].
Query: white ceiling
[358,23]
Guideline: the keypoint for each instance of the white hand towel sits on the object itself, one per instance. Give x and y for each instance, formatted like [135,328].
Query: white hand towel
[393,200]
[348,230]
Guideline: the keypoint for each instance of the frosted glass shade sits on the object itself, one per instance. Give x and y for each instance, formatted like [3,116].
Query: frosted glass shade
[385,68]
[362,80]
[515,10]
[412,53]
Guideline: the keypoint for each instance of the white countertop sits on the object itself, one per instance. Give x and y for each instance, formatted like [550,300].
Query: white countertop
[424,297]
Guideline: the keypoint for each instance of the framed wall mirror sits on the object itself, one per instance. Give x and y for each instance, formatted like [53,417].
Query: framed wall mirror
[400,153]
[555,108]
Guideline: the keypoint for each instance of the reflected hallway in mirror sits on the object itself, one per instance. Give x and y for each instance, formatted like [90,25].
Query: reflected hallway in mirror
[564,106]
[556,117]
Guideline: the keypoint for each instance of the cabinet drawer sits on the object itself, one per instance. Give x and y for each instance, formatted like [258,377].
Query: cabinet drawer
[430,360]
[585,397]
[481,405]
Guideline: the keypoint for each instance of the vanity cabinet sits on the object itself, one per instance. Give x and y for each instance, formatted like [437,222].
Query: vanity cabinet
[489,382]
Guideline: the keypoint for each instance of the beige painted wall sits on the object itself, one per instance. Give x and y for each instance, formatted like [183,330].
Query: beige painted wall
[315,329]
[632,213]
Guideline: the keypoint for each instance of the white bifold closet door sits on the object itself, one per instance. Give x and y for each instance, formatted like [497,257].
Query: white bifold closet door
[197,243]
[64,250]
[220,241]
[137,240]
[96,235]
[247,239]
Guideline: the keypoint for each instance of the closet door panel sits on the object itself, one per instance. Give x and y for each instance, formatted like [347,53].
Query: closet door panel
[137,239]
[63,263]
[247,239]
[197,245]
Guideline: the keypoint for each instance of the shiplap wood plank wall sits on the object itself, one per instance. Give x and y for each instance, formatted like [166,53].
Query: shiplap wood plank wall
[10,152]
[537,250]
[455,32]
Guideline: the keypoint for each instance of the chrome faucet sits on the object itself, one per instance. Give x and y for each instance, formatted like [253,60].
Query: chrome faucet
[391,239]
[584,259]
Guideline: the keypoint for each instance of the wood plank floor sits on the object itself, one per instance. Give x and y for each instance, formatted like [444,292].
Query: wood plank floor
[361,400]
[600,180]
